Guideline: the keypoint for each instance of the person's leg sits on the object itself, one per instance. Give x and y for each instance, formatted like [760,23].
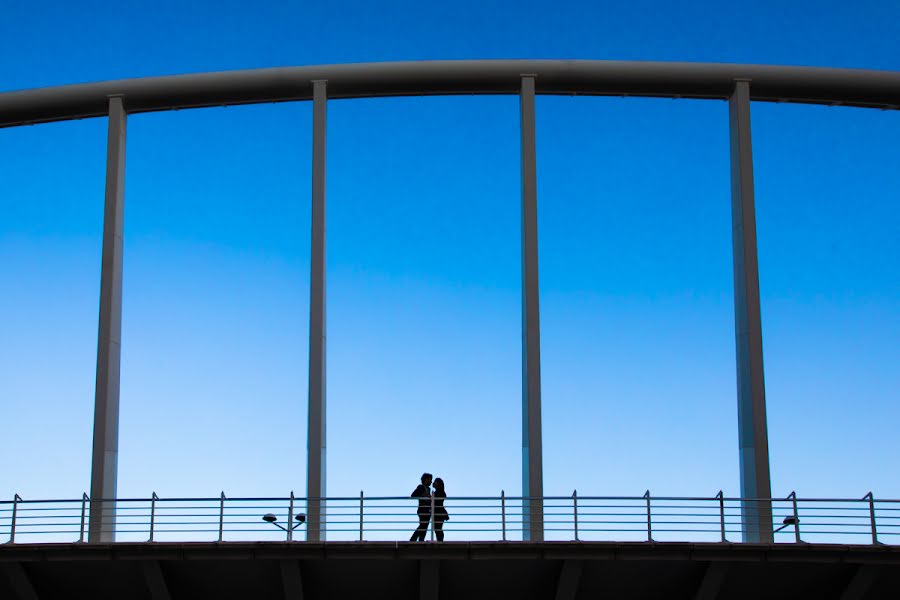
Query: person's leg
[419,534]
[439,529]
[425,527]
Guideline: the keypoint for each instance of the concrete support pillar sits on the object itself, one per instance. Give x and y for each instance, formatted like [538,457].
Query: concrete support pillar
[315,470]
[751,391]
[104,461]
[532,462]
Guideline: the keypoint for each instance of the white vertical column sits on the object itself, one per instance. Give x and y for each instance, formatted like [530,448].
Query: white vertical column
[315,470]
[532,462]
[104,460]
[751,391]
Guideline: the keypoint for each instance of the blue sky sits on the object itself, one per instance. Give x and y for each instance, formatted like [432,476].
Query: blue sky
[423,257]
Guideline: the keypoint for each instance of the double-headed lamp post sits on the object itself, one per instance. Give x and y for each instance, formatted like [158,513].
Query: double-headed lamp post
[271,518]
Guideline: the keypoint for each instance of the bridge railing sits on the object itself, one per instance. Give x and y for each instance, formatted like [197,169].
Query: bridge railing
[865,520]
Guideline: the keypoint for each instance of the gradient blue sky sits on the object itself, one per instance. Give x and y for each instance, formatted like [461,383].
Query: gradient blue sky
[423,257]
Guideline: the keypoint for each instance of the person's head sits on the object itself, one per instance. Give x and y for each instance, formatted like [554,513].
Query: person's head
[439,484]
[426,478]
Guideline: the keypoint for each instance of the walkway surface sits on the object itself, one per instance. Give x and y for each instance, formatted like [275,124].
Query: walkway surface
[453,570]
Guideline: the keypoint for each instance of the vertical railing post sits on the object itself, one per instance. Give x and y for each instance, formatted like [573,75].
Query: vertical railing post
[12,525]
[721,498]
[503,513]
[871,500]
[105,451]
[532,453]
[649,524]
[315,449]
[221,515]
[575,511]
[756,487]
[84,501]
[793,498]
[432,517]
[360,515]
[153,499]
[290,519]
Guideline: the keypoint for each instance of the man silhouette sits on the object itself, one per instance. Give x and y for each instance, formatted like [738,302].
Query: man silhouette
[423,493]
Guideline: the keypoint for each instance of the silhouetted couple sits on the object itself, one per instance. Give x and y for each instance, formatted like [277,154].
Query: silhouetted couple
[423,493]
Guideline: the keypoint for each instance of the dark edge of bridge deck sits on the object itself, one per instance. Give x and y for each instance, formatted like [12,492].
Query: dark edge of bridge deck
[675,551]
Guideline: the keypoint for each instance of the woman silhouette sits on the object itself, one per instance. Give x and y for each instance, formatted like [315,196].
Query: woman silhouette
[440,513]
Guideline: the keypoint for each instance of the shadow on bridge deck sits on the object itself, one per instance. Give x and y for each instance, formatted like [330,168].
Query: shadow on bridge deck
[469,570]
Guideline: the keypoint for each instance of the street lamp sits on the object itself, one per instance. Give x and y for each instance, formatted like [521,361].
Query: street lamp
[271,518]
[787,522]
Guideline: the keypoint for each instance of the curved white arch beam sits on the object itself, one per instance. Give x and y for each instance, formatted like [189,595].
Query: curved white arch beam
[810,85]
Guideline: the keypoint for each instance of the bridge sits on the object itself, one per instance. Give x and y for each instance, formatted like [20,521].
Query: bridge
[568,568]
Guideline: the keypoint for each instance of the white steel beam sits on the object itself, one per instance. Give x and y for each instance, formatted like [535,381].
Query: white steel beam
[291,580]
[712,580]
[104,462]
[155,580]
[810,85]
[751,390]
[429,579]
[569,579]
[861,582]
[19,581]
[315,471]
[532,455]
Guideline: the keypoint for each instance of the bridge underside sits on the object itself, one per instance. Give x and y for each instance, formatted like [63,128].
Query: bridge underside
[470,570]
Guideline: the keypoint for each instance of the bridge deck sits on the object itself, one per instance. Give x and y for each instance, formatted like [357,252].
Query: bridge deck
[472,570]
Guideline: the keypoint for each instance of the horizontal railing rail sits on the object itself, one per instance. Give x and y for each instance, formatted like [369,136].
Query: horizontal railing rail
[865,520]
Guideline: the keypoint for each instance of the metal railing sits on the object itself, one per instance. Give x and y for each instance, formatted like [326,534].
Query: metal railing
[865,520]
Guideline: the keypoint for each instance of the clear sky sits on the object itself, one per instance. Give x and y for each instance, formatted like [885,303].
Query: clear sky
[424,300]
